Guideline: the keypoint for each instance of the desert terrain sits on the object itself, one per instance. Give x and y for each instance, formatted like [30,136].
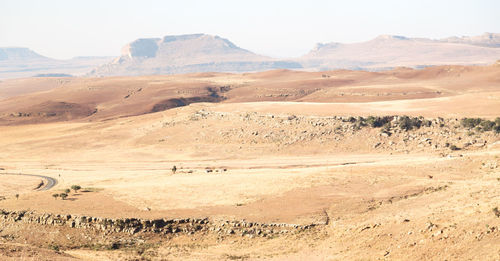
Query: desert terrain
[282,165]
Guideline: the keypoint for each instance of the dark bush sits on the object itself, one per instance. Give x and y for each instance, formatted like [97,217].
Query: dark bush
[407,123]
[377,122]
[496,128]
[386,128]
[497,121]
[76,188]
[487,125]
[63,195]
[470,122]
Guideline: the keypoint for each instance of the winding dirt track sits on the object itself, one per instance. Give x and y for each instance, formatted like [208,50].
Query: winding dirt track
[50,182]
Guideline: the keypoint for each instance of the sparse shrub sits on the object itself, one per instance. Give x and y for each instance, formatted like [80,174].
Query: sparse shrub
[351,119]
[67,191]
[470,122]
[17,196]
[371,121]
[54,247]
[55,195]
[453,147]
[76,188]
[63,195]
[497,121]
[174,169]
[377,122]
[496,211]
[114,246]
[487,125]
[496,129]
[386,128]
[407,123]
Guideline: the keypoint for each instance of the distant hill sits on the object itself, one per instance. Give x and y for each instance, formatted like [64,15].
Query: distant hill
[20,54]
[185,54]
[486,40]
[388,51]
[17,62]
[193,53]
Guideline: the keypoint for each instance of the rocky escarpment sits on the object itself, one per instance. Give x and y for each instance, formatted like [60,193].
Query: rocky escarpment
[159,226]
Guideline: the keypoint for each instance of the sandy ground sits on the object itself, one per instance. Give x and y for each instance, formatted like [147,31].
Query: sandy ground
[404,196]
[12,184]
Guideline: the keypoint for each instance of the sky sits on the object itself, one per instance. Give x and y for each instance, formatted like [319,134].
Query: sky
[66,28]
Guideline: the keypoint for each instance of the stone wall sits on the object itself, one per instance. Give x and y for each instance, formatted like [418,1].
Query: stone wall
[161,226]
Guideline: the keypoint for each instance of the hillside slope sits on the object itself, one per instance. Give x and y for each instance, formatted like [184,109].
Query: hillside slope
[403,89]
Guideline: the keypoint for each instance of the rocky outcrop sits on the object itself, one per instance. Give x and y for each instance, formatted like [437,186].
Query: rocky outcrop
[399,134]
[161,226]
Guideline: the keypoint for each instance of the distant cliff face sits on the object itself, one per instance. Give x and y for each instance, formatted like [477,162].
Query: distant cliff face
[185,54]
[141,48]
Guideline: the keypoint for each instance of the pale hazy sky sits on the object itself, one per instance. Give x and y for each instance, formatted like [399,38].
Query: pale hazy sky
[67,28]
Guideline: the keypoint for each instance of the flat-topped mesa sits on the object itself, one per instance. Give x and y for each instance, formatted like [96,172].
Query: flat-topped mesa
[187,54]
[187,45]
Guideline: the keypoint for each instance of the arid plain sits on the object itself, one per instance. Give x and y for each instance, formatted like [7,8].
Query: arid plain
[275,147]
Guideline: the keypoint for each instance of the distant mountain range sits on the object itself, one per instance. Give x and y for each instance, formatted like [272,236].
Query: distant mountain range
[18,62]
[204,53]
[388,51]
